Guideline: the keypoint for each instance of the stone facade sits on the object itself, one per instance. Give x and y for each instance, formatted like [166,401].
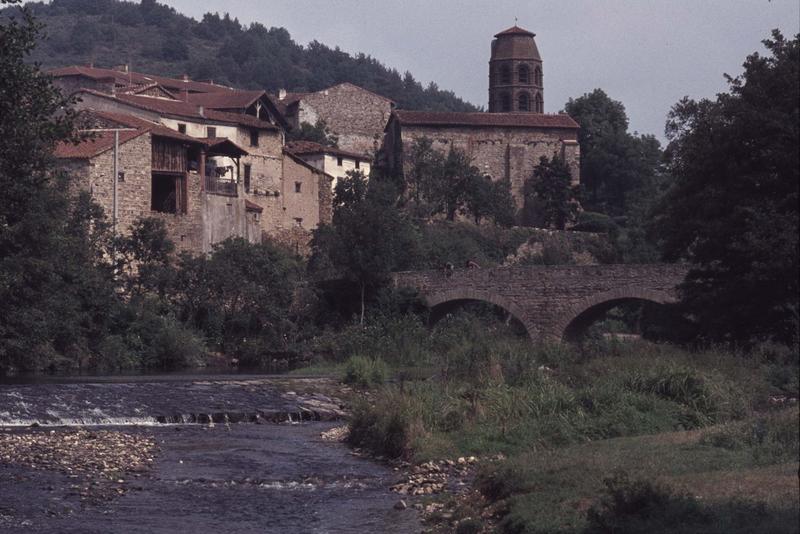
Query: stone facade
[501,152]
[552,302]
[355,115]
[208,218]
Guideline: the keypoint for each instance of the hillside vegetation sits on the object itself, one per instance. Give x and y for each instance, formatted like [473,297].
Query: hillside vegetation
[154,38]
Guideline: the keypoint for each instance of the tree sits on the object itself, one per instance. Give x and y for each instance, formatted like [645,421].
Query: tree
[613,161]
[551,185]
[55,288]
[239,296]
[732,209]
[318,133]
[450,184]
[369,237]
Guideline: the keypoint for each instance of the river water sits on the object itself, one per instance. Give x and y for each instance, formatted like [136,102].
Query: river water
[234,455]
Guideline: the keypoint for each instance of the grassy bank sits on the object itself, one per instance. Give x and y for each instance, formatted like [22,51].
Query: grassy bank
[625,434]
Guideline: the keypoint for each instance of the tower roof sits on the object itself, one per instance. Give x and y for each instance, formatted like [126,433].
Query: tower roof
[515,30]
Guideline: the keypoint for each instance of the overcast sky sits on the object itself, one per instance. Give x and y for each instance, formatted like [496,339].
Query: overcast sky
[647,54]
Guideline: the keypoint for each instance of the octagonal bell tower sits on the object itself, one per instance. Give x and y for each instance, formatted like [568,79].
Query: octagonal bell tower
[515,73]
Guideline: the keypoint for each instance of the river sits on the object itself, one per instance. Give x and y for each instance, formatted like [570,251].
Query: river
[233,454]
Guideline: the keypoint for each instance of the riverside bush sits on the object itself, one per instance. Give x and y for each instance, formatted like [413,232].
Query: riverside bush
[364,372]
[640,506]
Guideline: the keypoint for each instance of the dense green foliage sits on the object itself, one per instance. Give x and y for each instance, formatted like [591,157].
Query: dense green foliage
[154,38]
[732,209]
[448,184]
[369,236]
[53,294]
[551,191]
[317,133]
[614,163]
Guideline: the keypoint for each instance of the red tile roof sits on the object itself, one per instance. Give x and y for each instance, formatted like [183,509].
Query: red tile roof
[185,109]
[229,100]
[89,148]
[137,78]
[515,30]
[223,145]
[310,147]
[479,119]
[102,141]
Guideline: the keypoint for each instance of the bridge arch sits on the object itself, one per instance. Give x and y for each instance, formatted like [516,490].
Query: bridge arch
[573,321]
[443,302]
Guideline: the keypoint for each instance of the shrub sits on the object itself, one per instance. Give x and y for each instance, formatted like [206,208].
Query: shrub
[639,506]
[364,372]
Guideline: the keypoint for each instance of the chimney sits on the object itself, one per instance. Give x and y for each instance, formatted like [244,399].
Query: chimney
[185,77]
[281,94]
[201,111]
[122,68]
[185,94]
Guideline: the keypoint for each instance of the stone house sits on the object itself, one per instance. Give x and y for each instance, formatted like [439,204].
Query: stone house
[331,160]
[159,176]
[242,156]
[357,116]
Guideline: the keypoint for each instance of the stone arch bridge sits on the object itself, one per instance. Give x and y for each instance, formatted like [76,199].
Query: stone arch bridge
[552,302]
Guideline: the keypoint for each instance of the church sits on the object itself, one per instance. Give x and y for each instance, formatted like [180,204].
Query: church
[506,142]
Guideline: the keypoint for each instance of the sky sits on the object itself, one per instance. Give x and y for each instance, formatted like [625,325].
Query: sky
[647,54]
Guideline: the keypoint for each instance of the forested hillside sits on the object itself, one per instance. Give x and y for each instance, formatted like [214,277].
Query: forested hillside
[154,38]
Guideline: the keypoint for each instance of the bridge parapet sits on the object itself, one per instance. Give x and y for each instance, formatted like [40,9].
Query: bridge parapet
[546,299]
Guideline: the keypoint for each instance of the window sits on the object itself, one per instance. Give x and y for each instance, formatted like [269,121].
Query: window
[505,74]
[537,76]
[358,164]
[181,128]
[120,176]
[298,221]
[253,137]
[539,103]
[505,102]
[248,169]
[339,161]
[524,74]
[168,193]
[298,186]
[524,102]
[212,132]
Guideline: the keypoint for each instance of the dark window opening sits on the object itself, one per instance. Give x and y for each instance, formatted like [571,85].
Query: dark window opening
[539,103]
[505,74]
[298,186]
[253,137]
[298,221]
[248,169]
[181,128]
[212,132]
[524,74]
[358,164]
[339,161]
[537,76]
[168,193]
[524,102]
[505,102]
[120,176]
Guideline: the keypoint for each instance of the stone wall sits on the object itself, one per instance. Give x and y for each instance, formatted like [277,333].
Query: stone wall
[355,115]
[547,299]
[133,193]
[501,153]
